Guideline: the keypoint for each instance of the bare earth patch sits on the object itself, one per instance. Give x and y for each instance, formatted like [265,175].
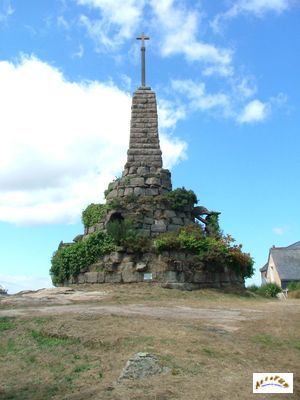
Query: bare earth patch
[73,344]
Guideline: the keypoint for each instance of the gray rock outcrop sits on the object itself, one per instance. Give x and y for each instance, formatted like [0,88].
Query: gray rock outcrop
[140,366]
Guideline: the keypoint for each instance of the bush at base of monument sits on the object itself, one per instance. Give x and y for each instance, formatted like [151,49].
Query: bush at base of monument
[212,252]
[70,259]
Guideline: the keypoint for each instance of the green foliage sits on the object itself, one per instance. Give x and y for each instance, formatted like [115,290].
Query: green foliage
[93,214]
[45,340]
[267,290]
[213,227]
[167,241]
[270,289]
[69,260]
[269,341]
[6,323]
[137,244]
[179,198]
[253,288]
[124,234]
[120,230]
[217,252]
[293,286]
[114,204]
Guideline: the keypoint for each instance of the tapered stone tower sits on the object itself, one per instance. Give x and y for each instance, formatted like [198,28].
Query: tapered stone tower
[143,174]
[137,195]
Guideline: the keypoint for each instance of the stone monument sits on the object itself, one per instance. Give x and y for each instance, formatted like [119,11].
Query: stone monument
[143,195]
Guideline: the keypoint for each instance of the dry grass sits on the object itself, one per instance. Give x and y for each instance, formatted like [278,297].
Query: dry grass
[80,355]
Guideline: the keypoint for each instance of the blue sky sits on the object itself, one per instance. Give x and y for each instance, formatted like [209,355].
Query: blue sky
[226,76]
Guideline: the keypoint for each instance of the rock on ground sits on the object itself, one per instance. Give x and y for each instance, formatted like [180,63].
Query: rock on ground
[140,366]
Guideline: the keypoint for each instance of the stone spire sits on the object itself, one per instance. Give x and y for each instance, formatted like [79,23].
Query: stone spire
[143,174]
[144,149]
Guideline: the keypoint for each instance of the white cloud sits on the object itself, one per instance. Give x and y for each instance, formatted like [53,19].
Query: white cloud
[246,87]
[176,25]
[255,7]
[62,22]
[174,150]
[16,283]
[6,11]
[280,230]
[199,98]
[221,70]
[254,111]
[79,53]
[118,20]
[169,114]
[178,28]
[62,142]
[226,104]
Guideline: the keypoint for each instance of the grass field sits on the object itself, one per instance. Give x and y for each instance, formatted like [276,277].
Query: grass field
[211,341]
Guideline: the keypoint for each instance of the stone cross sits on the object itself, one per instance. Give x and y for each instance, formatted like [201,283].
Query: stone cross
[143,49]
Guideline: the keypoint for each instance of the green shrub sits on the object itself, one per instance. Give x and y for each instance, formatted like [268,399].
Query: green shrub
[121,230]
[240,262]
[167,241]
[93,214]
[137,244]
[179,198]
[269,290]
[217,252]
[185,238]
[70,259]
[253,288]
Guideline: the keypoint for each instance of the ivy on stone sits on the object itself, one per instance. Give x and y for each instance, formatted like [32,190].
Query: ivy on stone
[71,258]
[93,214]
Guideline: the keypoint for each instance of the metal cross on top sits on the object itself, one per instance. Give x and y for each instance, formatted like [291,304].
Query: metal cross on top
[143,49]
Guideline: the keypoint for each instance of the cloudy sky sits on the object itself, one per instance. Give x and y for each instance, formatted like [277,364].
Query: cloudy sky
[226,75]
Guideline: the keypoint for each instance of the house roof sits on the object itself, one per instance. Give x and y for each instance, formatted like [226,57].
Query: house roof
[264,268]
[287,261]
[294,246]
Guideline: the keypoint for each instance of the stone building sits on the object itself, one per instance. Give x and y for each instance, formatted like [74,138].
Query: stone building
[283,266]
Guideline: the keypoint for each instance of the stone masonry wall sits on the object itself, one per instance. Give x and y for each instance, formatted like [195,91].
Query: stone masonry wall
[149,216]
[172,269]
[144,149]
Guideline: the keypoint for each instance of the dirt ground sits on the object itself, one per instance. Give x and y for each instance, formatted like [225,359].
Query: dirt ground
[72,343]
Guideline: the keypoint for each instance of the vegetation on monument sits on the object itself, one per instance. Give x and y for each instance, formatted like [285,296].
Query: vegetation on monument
[121,230]
[93,214]
[70,259]
[207,242]
[212,251]
[123,234]
[179,198]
